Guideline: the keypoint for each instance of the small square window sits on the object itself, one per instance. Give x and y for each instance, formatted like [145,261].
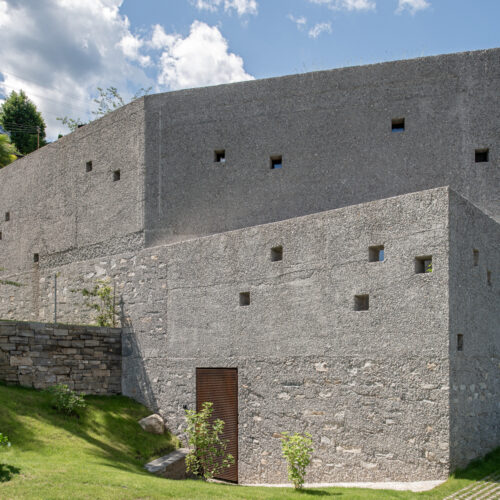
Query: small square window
[88,166]
[488,277]
[482,155]
[376,253]
[116,175]
[277,253]
[276,162]
[220,156]
[475,254]
[7,216]
[0,235]
[460,342]
[423,264]
[244,298]
[398,124]
[361,302]
[36,257]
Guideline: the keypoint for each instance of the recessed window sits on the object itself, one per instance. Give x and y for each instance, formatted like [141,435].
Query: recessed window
[0,235]
[7,216]
[488,277]
[88,166]
[276,162]
[398,124]
[376,253]
[361,302]
[36,257]
[482,155]
[460,342]
[423,264]
[220,156]
[475,255]
[277,253]
[116,175]
[244,298]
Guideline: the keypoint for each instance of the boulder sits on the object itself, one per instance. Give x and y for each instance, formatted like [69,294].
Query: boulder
[154,424]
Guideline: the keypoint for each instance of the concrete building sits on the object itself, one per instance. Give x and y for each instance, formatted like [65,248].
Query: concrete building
[272,240]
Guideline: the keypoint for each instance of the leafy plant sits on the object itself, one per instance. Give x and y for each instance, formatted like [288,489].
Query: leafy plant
[208,456]
[66,400]
[297,449]
[101,298]
[4,440]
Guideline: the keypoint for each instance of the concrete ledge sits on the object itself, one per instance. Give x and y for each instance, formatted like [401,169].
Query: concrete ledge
[171,466]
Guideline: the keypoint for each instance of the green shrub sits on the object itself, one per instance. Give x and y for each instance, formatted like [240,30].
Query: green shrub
[4,440]
[297,450]
[65,400]
[208,456]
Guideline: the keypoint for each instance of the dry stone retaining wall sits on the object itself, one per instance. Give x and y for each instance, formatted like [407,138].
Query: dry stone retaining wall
[86,358]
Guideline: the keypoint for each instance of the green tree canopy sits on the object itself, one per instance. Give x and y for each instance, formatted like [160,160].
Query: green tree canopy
[7,151]
[20,117]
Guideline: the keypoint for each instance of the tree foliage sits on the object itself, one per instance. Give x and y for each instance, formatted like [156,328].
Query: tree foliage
[18,115]
[7,151]
[108,100]
[208,456]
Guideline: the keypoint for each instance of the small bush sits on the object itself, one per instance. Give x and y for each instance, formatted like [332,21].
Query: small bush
[207,457]
[4,440]
[297,450]
[65,400]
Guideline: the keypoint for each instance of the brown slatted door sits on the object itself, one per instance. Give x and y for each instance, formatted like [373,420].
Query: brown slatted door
[220,386]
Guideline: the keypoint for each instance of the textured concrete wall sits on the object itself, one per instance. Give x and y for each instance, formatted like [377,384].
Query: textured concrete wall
[333,129]
[64,213]
[475,314]
[87,359]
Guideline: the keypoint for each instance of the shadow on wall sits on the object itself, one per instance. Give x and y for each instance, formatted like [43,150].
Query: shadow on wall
[135,379]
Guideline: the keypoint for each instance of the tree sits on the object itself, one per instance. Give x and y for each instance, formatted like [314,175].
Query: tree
[7,151]
[20,117]
[108,100]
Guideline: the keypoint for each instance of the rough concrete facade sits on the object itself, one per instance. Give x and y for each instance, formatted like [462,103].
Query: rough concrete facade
[87,359]
[381,390]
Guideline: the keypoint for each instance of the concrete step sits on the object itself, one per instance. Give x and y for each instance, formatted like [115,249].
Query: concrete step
[171,466]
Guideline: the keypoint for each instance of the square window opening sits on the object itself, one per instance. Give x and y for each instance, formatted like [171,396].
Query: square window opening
[423,265]
[460,342]
[398,124]
[0,235]
[116,175]
[361,302]
[7,216]
[488,277]
[244,298]
[277,253]
[88,166]
[220,156]
[36,257]
[276,162]
[376,253]
[482,155]
[475,254]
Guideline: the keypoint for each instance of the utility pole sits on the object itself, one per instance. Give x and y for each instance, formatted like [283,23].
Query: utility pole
[37,137]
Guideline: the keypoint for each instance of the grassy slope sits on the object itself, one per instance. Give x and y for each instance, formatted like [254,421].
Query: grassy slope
[101,456]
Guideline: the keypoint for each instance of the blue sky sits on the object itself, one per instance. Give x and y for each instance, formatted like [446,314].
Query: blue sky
[59,51]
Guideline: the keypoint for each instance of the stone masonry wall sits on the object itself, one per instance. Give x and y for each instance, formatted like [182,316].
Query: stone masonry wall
[87,359]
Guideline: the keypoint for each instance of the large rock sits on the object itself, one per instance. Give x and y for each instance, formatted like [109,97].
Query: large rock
[154,424]
[171,466]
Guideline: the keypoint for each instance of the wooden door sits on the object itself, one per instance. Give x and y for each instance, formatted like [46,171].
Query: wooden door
[220,386]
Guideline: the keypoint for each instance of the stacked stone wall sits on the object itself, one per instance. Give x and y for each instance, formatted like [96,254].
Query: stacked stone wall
[87,359]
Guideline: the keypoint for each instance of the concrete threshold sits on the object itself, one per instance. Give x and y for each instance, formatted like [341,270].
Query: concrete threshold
[415,486]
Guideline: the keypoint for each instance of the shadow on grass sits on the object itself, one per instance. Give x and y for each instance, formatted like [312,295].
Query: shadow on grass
[318,493]
[7,471]
[478,469]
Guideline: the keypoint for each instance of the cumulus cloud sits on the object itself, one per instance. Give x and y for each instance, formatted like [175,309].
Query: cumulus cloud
[131,46]
[240,6]
[412,6]
[348,4]
[319,28]
[299,21]
[202,58]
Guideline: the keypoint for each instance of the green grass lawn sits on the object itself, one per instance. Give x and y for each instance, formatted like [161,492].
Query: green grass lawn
[101,456]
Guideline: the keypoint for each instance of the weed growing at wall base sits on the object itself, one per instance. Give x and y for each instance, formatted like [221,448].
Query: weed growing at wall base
[65,400]
[297,450]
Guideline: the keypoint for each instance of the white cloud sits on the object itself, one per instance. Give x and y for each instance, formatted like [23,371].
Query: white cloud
[240,6]
[202,58]
[412,6]
[130,46]
[347,4]
[319,28]
[299,21]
